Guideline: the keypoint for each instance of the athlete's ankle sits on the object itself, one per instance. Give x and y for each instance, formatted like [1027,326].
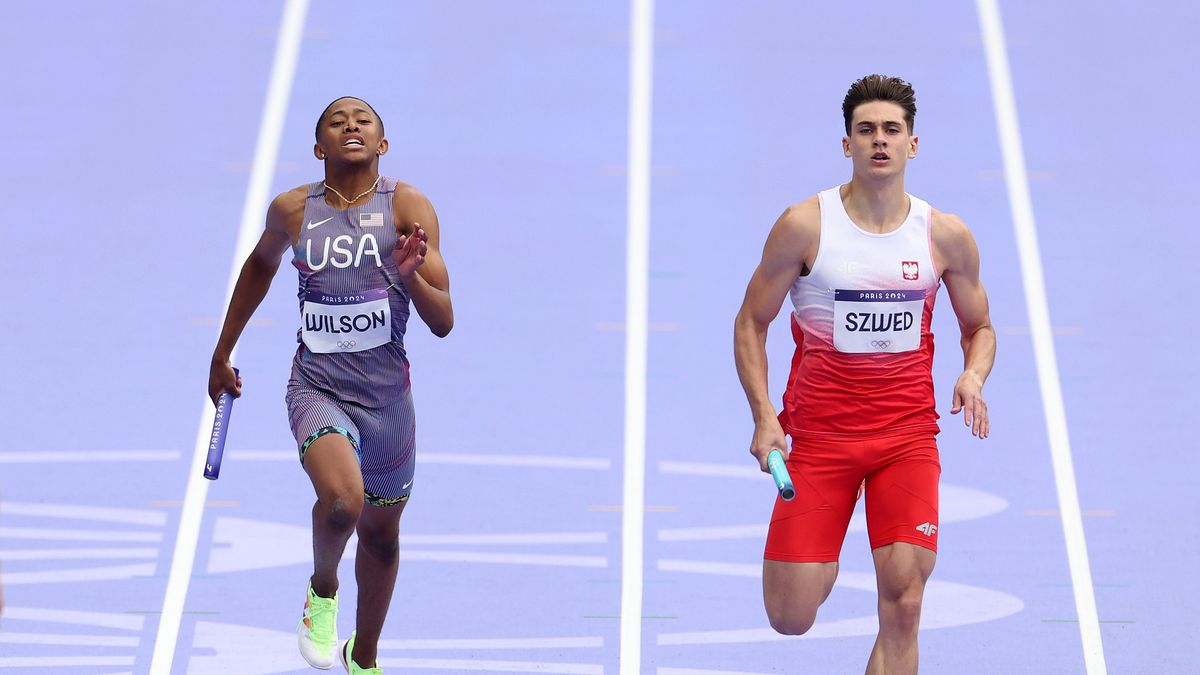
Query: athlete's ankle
[364,659]
[323,589]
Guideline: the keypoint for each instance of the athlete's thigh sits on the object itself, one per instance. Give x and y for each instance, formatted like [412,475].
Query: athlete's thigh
[387,451]
[901,567]
[332,466]
[812,527]
[327,440]
[791,585]
[902,492]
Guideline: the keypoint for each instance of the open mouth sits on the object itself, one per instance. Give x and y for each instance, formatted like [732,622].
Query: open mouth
[880,156]
[353,142]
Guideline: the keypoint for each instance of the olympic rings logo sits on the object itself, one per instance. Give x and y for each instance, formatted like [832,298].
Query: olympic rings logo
[881,344]
[345,344]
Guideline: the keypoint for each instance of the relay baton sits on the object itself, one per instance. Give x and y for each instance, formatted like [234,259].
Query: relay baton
[779,472]
[216,442]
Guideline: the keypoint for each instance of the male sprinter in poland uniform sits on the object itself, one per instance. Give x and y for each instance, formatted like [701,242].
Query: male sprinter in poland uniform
[365,246]
[863,263]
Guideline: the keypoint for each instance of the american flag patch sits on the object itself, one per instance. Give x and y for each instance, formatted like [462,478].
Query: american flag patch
[370,220]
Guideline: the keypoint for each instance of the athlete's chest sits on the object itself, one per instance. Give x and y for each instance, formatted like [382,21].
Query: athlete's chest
[875,267]
[362,237]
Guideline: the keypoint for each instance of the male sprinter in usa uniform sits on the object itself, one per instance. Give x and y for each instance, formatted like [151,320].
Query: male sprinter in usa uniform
[862,262]
[365,246]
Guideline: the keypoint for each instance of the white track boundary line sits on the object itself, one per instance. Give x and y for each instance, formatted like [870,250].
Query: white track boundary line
[637,294]
[1043,339]
[266,152]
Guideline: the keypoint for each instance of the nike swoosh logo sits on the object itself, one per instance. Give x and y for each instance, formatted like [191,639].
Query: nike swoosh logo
[405,486]
[319,223]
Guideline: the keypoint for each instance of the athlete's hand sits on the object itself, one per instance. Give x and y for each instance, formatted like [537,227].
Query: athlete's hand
[968,397]
[768,436]
[410,250]
[221,378]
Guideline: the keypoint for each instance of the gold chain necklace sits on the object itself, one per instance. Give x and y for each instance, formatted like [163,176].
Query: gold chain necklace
[360,195]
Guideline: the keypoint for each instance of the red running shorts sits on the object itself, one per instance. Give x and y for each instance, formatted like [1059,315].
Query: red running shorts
[901,495]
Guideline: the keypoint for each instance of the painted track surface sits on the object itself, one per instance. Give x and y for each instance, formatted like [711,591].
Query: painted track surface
[512,118]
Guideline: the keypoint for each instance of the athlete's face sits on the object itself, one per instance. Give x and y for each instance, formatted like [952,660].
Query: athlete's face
[879,143]
[350,133]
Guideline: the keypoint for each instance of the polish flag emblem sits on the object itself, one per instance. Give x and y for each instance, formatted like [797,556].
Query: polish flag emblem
[909,269]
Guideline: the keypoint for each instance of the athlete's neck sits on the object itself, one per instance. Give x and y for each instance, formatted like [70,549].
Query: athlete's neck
[876,206]
[349,181]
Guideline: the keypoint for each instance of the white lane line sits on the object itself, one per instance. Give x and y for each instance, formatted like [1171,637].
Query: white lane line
[748,471]
[637,303]
[96,619]
[519,538]
[526,461]
[752,570]
[497,666]
[89,456]
[717,533]
[80,512]
[63,661]
[539,461]
[705,671]
[85,574]
[503,558]
[8,555]
[1043,339]
[254,209]
[7,637]
[76,535]
[495,643]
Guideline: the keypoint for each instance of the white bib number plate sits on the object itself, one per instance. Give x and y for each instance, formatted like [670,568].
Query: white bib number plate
[872,322]
[346,323]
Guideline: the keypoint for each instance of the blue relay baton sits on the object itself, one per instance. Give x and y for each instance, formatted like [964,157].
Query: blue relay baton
[783,480]
[216,442]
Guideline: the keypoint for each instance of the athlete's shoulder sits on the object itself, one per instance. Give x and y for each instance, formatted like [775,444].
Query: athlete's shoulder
[287,209]
[291,201]
[947,228]
[411,205]
[293,197]
[406,193]
[802,215]
[952,241]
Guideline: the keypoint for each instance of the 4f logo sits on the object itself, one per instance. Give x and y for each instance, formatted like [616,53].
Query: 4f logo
[927,529]
[909,269]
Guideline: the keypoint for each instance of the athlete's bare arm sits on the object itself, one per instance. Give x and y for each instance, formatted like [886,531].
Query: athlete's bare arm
[282,230]
[420,260]
[789,252]
[958,257]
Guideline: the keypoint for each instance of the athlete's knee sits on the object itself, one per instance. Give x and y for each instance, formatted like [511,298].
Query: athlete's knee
[901,611]
[341,511]
[381,545]
[792,622]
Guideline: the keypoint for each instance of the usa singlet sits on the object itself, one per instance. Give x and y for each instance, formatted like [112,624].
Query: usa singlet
[864,348]
[350,373]
[354,308]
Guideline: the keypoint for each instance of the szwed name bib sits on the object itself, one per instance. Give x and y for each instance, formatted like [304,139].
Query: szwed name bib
[346,323]
[871,322]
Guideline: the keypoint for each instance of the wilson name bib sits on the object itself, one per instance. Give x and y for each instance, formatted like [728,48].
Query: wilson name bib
[871,322]
[346,323]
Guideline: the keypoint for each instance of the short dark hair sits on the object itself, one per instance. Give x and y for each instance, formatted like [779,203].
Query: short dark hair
[326,110]
[880,88]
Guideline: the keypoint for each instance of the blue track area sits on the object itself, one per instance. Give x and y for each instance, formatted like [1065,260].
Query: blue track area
[131,137]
